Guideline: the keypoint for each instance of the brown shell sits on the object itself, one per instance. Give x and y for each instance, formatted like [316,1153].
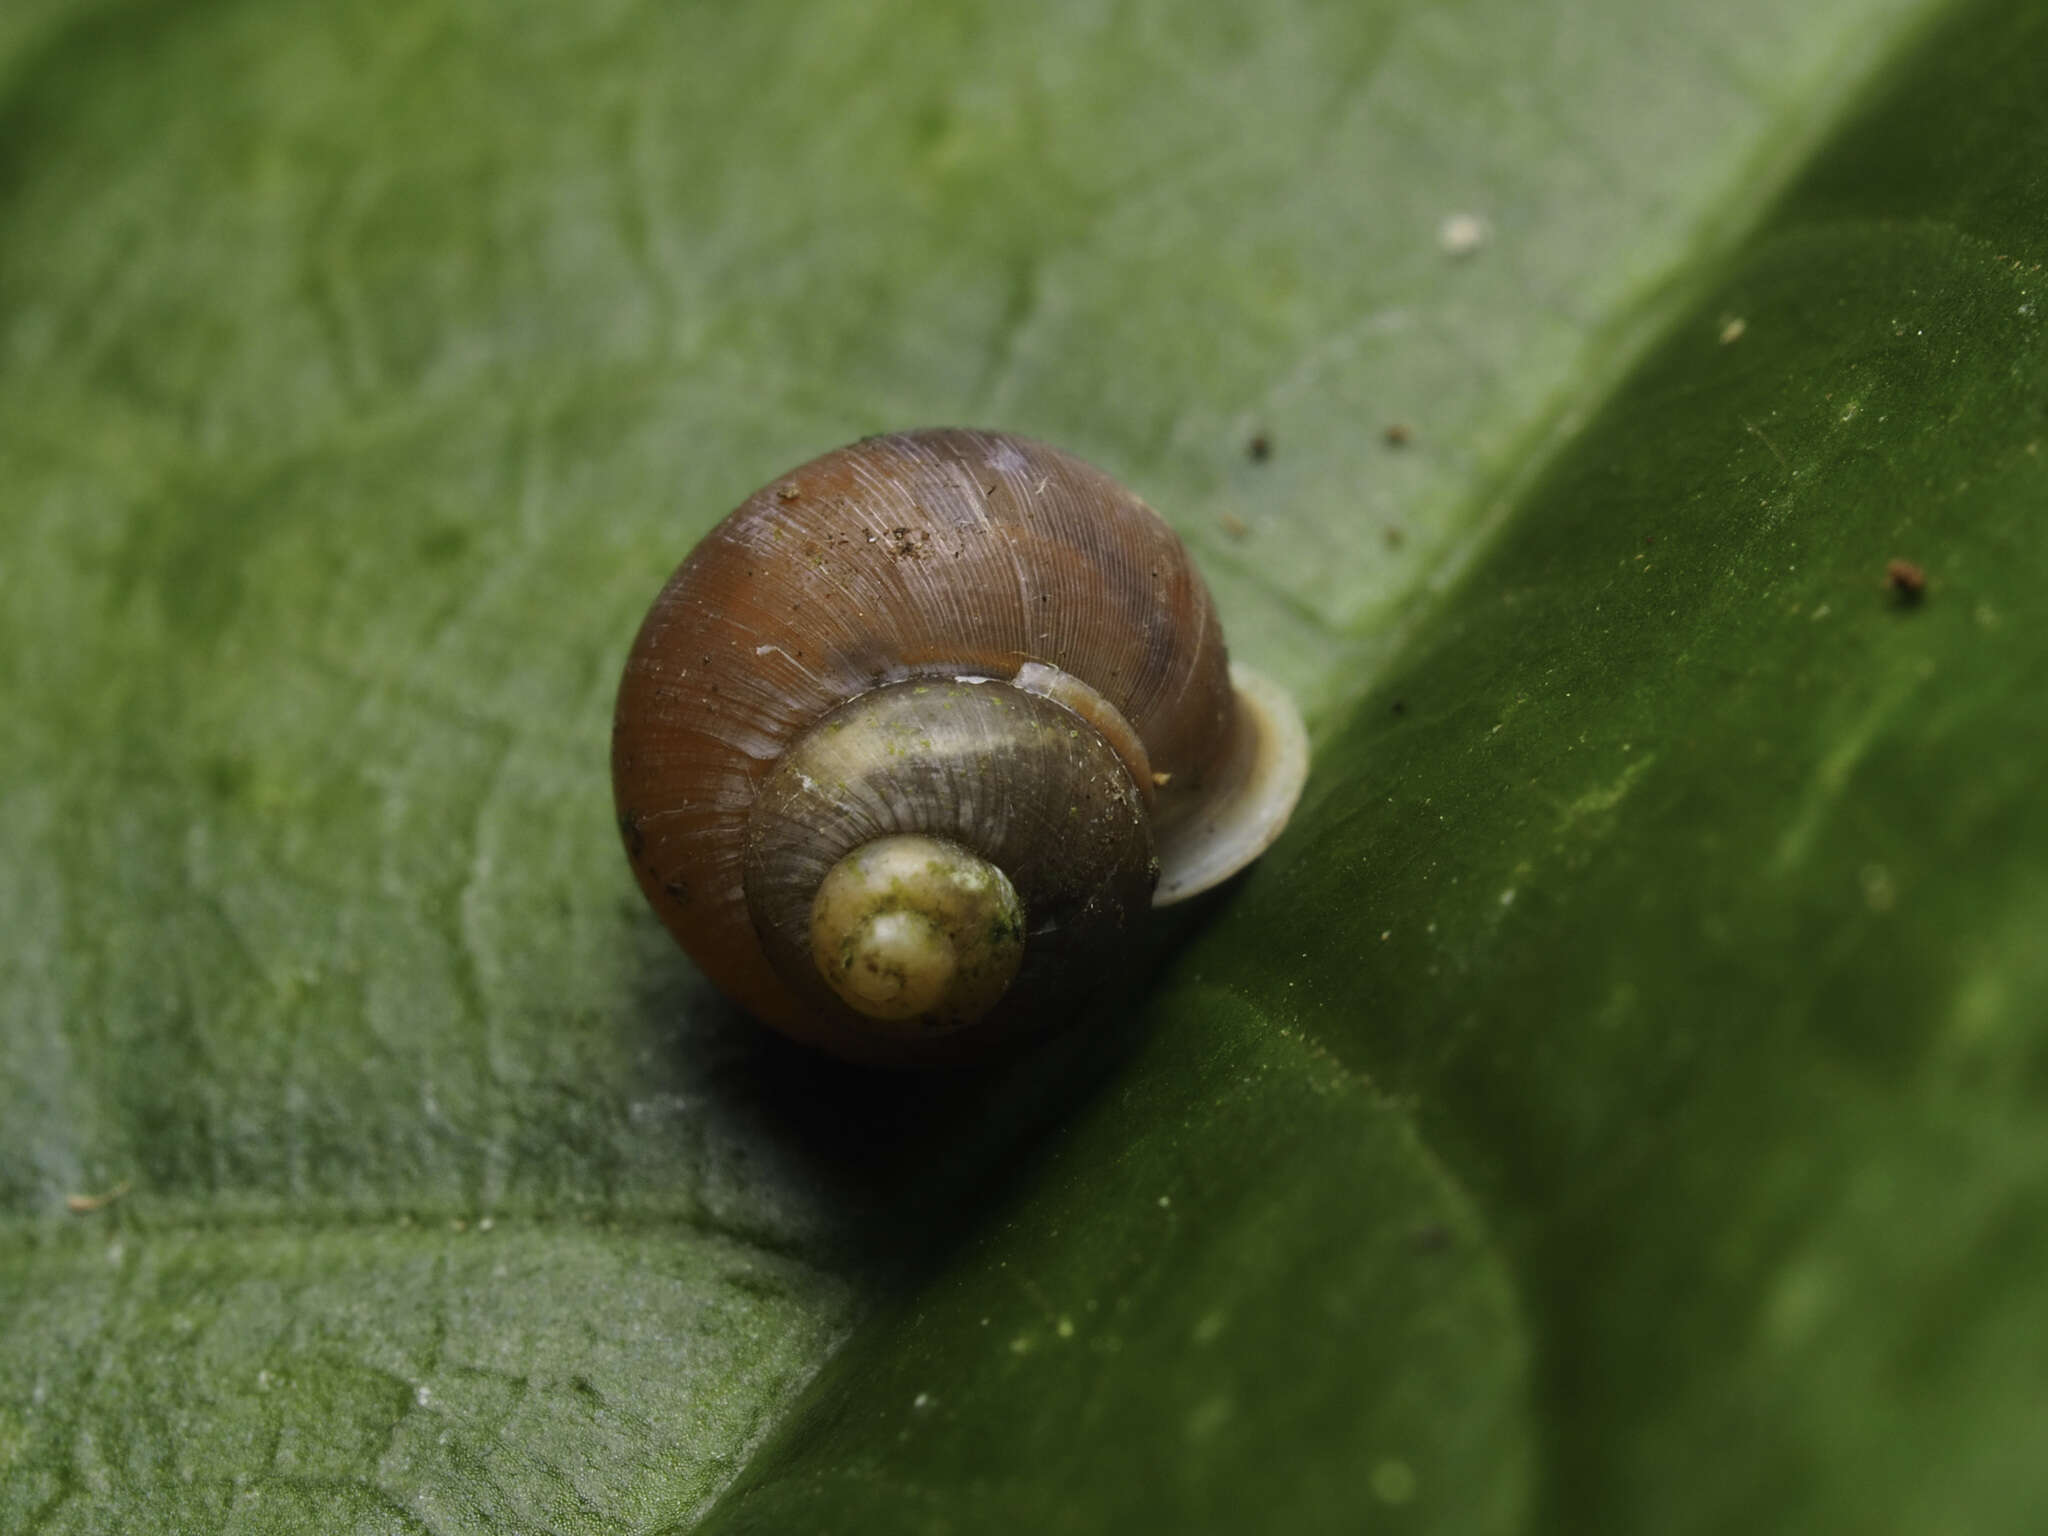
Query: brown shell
[926,554]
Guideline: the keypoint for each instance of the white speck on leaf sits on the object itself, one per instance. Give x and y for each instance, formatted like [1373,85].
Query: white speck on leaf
[1461,234]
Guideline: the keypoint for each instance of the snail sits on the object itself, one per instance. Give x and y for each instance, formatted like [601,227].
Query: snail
[912,740]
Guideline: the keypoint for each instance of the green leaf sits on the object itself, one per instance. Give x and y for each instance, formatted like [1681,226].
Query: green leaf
[1615,1105]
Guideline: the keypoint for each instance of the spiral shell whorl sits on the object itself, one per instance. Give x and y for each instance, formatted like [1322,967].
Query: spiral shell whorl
[1018,780]
[909,927]
[931,555]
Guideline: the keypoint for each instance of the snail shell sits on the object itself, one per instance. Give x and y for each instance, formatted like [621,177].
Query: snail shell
[911,741]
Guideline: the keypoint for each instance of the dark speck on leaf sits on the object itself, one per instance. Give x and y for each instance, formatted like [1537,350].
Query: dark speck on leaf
[441,545]
[1259,449]
[1432,1239]
[1907,581]
[227,777]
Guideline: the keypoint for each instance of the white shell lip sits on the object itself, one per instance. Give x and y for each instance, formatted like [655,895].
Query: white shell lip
[1261,786]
